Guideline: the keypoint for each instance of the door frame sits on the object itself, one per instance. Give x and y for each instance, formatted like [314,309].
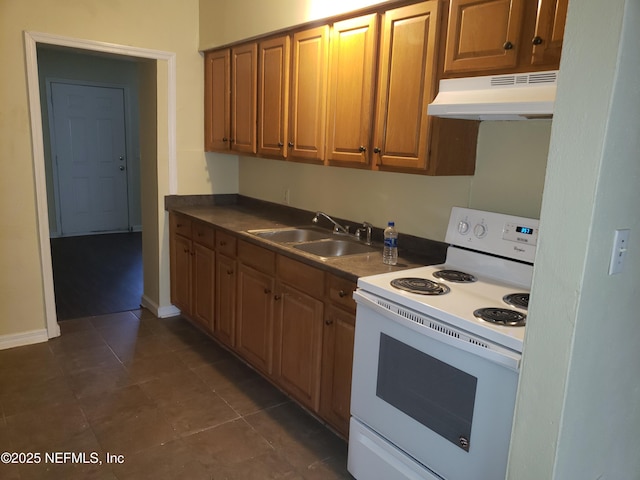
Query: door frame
[52,140]
[169,183]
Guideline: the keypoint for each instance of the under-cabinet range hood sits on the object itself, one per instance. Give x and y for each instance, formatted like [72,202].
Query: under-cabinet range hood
[520,96]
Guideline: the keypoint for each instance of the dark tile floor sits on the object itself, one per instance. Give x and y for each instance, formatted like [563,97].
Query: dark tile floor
[160,394]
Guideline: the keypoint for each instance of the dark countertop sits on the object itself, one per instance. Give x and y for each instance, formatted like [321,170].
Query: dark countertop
[237,215]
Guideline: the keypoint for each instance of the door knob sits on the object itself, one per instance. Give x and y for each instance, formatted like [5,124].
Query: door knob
[121,167]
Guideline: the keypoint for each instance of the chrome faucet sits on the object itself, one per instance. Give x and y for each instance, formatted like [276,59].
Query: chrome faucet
[366,227]
[337,228]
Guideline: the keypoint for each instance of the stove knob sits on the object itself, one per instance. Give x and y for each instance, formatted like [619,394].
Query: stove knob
[463,227]
[480,230]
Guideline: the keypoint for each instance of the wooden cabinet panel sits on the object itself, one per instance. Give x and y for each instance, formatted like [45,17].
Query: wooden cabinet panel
[273,90]
[337,361]
[340,291]
[217,110]
[549,32]
[226,244]
[225,299]
[244,76]
[181,273]
[298,344]
[305,277]
[257,257]
[203,234]
[254,321]
[308,94]
[203,285]
[483,34]
[351,90]
[406,85]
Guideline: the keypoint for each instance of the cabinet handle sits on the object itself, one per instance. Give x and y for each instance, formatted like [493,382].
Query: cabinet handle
[277,297]
[223,243]
[280,144]
[267,291]
[290,144]
[179,225]
[342,294]
[225,139]
[362,148]
[507,45]
[536,40]
[328,322]
[186,250]
[229,272]
[376,150]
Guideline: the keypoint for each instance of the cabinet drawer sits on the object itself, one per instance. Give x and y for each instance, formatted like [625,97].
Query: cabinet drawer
[203,234]
[304,277]
[180,224]
[226,244]
[257,257]
[340,291]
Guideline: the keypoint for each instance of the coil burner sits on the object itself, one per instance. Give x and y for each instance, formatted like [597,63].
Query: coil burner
[520,300]
[502,316]
[421,286]
[455,276]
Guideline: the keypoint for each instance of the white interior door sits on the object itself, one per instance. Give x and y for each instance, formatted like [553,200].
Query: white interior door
[89,155]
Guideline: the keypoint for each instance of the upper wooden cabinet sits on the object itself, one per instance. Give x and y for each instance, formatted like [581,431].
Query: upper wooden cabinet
[217,118]
[273,95]
[549,32]
[406,85]
[244,77]
[307,105]
[503,36]
[351,90]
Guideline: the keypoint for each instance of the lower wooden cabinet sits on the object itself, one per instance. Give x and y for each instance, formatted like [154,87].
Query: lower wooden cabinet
[289,320]
[298,344]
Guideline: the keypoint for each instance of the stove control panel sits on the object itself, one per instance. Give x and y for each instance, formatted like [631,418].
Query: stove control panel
[489,232]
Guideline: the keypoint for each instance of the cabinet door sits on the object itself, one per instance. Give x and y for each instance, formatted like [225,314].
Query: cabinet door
[244,76]
[273,93]
[406,85]
[339,334]
[225,300]
[203,285]
[351,90]
[483,35]
[217,120]
[181,273]
[298,344]
[254,335]
[549,33]
[308,95]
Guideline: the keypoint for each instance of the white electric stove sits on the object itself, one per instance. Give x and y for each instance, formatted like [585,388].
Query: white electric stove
[437,355]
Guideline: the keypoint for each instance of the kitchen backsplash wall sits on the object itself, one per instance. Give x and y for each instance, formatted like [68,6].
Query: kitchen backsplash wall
[510,170]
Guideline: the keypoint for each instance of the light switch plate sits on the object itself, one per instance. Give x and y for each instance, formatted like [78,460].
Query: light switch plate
[619,251]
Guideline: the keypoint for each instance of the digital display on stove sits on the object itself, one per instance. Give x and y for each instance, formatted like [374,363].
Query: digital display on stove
[524,230]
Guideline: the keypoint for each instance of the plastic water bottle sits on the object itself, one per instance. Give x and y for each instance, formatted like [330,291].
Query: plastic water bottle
[390,251]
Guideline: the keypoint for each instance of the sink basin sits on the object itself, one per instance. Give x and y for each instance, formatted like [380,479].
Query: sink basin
[292,235]
[334,248]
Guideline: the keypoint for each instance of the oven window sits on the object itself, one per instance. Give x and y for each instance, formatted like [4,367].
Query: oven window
[437,395]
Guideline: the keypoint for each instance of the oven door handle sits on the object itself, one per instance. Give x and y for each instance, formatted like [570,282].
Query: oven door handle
[443,333]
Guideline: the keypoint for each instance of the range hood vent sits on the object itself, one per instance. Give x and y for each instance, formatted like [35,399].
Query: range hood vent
[520,96]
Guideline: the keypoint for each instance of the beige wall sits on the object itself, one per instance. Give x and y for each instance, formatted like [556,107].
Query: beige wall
[159,25]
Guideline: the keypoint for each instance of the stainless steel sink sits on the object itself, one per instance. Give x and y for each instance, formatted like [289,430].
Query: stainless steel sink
[334,248]
[292,235]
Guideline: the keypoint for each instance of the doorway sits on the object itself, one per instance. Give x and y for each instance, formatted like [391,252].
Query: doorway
[155,64]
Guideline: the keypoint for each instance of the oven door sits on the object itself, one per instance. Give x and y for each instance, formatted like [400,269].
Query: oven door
[447,402]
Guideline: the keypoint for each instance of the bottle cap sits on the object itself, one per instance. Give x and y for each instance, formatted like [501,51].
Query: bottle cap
[391,224]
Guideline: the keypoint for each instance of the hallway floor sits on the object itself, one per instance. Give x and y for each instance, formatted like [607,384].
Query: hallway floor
[161,395]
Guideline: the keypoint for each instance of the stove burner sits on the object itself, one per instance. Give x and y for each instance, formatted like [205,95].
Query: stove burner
[455,276]
[420,286]
[520,300]
[503,316]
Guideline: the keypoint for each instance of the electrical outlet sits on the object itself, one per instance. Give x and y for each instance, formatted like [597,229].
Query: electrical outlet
[287,196]
[619,251]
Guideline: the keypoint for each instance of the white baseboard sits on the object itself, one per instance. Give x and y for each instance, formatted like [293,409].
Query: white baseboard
[157,310]
[23,338]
